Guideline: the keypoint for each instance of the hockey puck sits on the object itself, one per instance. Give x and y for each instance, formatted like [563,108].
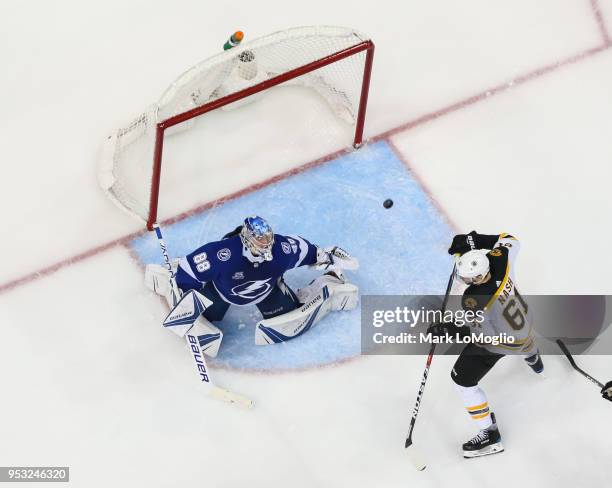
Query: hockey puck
[388,203]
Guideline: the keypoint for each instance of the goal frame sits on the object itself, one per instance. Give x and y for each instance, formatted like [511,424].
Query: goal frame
[162,126]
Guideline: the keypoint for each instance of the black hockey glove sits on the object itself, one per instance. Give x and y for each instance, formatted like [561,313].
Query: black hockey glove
[440,329]
[606,391]
[463,243]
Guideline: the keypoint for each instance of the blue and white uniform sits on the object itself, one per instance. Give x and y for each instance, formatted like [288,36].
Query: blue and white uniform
[227,273]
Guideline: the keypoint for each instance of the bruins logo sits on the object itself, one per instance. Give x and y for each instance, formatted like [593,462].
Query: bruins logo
[496,253]
[470,302]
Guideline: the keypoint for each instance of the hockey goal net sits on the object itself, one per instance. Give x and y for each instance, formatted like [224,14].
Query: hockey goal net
[208,132]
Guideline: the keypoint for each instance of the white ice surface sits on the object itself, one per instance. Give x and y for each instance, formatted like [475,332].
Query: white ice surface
[84,386]
[547,177]
[76,71]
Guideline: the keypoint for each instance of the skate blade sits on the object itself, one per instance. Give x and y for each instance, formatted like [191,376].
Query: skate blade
[492,449]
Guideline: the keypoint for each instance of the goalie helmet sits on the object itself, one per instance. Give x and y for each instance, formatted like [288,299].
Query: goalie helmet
[257,236]
[473,267]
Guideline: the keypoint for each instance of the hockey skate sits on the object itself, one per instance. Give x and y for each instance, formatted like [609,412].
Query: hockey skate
[487,441]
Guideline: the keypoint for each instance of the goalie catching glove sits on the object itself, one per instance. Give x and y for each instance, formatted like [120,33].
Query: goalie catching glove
[335,257]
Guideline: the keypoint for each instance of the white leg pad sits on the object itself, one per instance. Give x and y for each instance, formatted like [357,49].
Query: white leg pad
[343,295]
[323,295]
[186,312]
[208,336]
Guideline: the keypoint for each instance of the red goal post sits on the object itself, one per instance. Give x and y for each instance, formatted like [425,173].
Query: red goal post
[206,92]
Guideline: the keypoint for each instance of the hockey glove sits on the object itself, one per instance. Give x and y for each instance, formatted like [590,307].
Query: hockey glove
[440,329]
[606,391]
[463,243]
[335,257]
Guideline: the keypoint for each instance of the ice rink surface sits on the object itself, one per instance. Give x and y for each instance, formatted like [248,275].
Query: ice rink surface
[348,195]
[485,115]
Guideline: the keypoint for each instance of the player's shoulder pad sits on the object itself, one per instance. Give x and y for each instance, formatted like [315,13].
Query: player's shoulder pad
[498,262]
[287,244]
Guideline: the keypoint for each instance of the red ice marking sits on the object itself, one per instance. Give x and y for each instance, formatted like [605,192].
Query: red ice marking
[41,273]
[255,187]
[124,241]
[496,90]
[596,8]
[421,182]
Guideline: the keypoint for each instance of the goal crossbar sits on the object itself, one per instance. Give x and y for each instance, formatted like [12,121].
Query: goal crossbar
[163,125]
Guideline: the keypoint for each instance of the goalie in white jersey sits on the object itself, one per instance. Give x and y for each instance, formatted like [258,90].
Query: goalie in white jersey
[486,266]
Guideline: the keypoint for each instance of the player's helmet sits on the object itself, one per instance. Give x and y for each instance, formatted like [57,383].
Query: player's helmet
[473,267]
[258,237]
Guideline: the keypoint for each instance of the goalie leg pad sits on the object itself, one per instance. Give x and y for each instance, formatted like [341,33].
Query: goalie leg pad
[186,312]
[208,336]
[343,295]
[324,294]
[293,324]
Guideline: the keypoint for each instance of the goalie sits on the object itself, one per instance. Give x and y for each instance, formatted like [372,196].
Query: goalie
[246,267]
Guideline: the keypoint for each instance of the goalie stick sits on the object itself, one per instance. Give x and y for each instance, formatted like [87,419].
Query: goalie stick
[194,299]
[569,357]
[164,250]
[415,457]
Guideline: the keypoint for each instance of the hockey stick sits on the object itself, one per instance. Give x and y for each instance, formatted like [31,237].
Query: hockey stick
[192,341]
[164,250]
[417,460]
[569,357]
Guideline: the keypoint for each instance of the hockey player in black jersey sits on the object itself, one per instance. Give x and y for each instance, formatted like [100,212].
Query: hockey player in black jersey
[486,267]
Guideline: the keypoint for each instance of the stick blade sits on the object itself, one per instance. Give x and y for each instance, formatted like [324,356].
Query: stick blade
[416,458]
[230,397]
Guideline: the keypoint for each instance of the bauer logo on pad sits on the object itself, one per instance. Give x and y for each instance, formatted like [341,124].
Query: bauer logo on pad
[186,312]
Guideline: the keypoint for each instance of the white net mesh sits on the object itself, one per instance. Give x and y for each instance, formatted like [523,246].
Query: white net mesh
[225,150]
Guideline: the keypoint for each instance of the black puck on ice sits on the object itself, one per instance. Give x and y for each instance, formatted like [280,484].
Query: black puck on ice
[388,203]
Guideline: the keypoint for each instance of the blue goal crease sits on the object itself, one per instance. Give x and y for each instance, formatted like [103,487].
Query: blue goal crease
[401,250]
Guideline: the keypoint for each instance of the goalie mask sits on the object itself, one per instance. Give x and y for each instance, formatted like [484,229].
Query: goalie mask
[257,237]
[473,267]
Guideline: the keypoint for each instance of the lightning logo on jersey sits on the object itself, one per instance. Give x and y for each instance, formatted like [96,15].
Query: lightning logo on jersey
[240,278]
[251,290]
